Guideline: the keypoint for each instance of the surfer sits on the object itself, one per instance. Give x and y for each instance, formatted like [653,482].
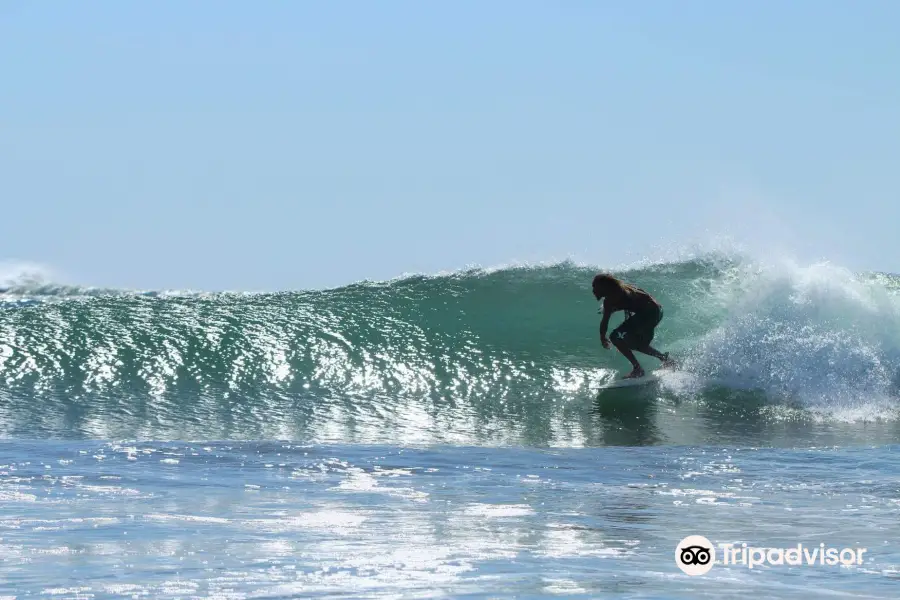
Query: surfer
[643,314]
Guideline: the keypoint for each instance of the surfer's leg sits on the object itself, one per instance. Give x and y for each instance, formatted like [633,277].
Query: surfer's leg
[651,351]
[642,334]
[620,341]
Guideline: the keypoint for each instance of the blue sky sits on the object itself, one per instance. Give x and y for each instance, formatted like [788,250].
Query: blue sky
[285,145]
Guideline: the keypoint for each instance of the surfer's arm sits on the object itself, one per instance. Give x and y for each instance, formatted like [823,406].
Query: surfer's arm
[608,309]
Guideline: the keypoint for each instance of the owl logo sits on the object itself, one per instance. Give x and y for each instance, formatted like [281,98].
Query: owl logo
[695,555]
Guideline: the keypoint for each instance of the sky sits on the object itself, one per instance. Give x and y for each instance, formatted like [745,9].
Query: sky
[278,145]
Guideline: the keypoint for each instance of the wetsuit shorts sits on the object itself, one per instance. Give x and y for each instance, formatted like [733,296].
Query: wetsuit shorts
[638,329]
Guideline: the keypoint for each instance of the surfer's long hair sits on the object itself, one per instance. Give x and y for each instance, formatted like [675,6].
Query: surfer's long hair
[604,283]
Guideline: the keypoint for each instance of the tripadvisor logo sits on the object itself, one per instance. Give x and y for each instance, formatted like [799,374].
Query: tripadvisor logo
[696,555]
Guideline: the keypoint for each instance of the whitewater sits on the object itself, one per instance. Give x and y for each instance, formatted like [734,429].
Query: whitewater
[443,435]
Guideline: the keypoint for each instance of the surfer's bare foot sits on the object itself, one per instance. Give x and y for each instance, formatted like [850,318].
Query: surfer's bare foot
[637,372]
[667,362]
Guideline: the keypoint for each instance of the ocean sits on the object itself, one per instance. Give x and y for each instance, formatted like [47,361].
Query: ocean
[446,436]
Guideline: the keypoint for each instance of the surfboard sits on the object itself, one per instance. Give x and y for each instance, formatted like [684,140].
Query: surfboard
[635,381]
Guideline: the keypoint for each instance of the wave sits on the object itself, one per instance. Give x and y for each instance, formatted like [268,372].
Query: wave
[516,342]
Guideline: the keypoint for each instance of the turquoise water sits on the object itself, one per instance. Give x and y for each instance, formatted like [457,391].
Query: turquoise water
[444,436]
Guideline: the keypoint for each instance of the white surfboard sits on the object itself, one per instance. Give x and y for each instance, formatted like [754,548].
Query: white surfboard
[621,383]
